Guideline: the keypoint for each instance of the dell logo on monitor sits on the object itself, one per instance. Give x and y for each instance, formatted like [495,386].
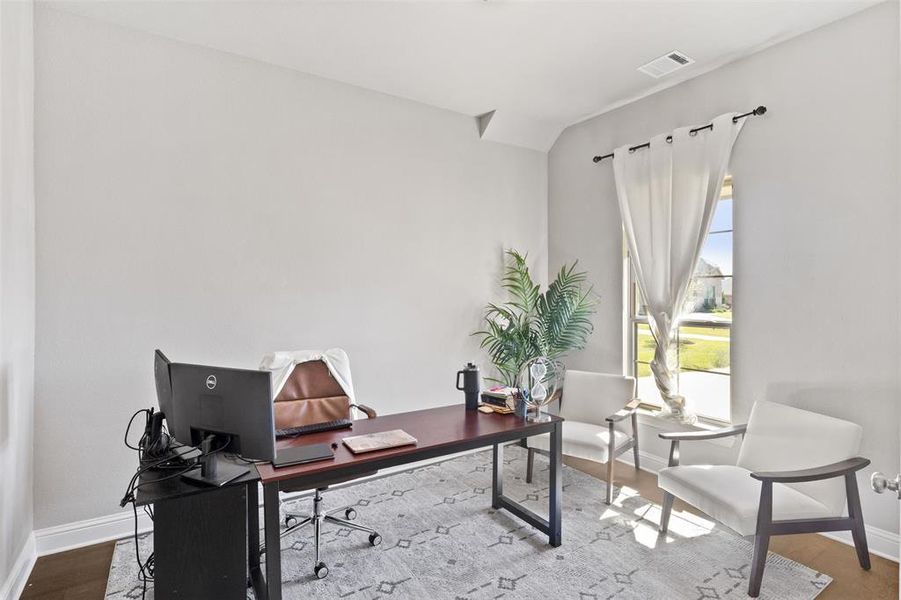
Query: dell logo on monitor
[211,381]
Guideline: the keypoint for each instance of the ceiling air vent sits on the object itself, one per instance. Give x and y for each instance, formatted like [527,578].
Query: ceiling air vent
[666,64]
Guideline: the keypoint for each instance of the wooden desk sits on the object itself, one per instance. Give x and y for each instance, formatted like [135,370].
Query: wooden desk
[439,431]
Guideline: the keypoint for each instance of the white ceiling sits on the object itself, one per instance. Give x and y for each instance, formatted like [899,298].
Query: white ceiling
[541,66]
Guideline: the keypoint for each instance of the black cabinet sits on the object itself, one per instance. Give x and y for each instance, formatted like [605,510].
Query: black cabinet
[200,537]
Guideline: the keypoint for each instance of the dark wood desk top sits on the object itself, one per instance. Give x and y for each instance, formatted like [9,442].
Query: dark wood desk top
[439,431]
[157,486]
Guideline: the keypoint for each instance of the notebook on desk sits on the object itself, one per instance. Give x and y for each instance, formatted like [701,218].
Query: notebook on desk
[358,444]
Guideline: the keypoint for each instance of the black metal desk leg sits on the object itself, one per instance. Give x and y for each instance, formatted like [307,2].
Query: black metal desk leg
[254,570]
[555,503]
[497,475]
[272,527]
[253,526]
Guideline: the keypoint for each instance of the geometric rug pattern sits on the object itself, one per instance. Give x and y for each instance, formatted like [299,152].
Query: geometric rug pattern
[442,540]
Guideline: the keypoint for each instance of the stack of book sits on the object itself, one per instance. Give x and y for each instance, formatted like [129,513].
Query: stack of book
[501,399]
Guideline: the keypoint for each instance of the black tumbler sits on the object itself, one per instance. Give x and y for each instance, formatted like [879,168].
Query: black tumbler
[471,385]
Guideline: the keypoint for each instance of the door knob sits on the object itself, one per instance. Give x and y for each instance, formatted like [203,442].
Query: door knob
[880,484]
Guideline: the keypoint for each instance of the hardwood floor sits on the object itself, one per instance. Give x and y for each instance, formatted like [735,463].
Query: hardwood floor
[81,574]
[74,575]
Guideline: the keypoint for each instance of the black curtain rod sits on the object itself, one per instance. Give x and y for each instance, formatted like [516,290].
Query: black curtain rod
[756,112]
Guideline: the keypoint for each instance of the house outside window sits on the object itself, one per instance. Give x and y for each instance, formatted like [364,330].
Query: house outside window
[704,336]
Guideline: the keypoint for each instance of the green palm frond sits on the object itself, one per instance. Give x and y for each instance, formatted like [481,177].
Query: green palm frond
[518,282]
[564,313]
[532,323]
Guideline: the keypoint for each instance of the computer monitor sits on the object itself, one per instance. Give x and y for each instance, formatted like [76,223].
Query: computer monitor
[220,407]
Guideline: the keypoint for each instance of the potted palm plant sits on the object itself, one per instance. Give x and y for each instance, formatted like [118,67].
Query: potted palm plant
[534,324]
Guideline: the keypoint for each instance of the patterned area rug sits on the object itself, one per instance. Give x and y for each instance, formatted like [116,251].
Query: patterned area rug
[442,539]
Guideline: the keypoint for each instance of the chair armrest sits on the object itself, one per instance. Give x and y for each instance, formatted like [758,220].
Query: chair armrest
[625,412]
[687,436]
[844,467]
[369,412]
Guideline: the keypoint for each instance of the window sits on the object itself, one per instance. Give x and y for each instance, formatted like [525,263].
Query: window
[703,340]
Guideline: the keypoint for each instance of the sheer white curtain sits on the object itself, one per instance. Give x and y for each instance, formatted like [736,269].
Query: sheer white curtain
[667,196]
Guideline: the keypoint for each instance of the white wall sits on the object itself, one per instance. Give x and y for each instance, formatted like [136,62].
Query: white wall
[16,289]
[219,208]
[816,227]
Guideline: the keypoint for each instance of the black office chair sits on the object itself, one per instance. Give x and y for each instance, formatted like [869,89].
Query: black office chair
[312,395]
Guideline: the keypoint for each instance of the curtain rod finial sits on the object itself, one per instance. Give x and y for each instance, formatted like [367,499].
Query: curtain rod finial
[760,110]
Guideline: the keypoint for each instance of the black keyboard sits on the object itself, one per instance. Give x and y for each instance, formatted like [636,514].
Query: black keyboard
[313,428]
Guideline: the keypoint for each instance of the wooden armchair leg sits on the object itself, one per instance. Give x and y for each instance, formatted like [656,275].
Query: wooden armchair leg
[761,547]
[611,458]
[665,511]
[635,440]
[610,461]
[762,539]
[530,465]
[858,532]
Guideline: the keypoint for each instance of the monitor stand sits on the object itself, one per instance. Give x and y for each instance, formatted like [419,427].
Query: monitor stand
[213,472]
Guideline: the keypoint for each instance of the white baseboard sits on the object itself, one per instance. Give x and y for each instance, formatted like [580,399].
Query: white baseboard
[649,462]
[880,542]
[69,536]
[14,585]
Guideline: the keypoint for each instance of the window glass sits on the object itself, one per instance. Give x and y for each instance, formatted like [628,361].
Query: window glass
[704,338]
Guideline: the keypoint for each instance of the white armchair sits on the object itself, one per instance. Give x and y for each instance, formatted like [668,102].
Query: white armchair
[788,479]
[595,407]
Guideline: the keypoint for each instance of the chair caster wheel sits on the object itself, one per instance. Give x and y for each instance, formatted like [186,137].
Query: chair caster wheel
[290,521]
[321,571]
[375,539]
[350,514]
